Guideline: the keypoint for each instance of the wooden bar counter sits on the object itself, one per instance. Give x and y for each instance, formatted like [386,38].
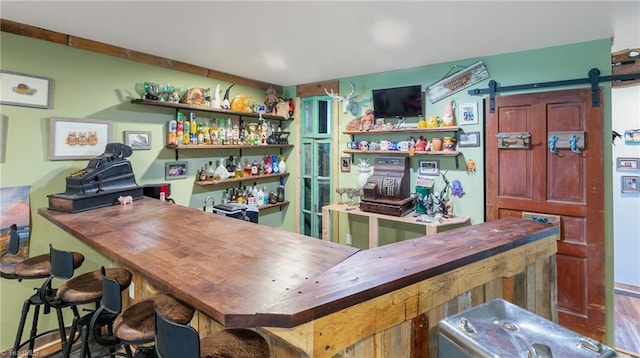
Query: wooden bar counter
[314,298]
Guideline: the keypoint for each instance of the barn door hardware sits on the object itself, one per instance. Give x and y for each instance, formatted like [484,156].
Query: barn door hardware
[573,140]
[514,140]
[594,79]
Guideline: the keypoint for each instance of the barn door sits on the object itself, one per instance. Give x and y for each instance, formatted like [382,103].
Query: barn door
[534,178]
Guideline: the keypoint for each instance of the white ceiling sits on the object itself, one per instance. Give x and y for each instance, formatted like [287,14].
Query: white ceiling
[289,43]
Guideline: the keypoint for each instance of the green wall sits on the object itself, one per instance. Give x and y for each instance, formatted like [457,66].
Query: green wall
[88,85]
[94,86]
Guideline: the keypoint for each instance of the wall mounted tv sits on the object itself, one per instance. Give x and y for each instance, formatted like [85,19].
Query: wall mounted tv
[398,102]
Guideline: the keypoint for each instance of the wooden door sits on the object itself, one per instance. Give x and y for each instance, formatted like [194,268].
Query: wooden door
[567,184]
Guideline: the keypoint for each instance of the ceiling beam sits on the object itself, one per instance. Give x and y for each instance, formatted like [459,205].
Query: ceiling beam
[105,49]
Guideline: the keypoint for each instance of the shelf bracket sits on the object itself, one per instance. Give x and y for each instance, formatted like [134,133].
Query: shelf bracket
[177,154]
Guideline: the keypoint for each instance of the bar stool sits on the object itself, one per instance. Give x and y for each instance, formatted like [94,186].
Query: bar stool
[174,340]
[75,291]
[135,325]
[132,327]
[13,266]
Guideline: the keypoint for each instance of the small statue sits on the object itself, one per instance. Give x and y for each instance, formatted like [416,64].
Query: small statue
[124,200]
[471,166]
[225,101]
[271,100]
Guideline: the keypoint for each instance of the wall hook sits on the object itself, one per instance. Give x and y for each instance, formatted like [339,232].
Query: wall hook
[501,138]
[552,144]
[573,144]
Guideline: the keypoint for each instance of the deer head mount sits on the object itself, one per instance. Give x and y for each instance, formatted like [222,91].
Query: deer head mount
[348,103]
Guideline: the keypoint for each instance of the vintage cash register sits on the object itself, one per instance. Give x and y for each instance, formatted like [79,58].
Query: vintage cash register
[101,183]
[387,189]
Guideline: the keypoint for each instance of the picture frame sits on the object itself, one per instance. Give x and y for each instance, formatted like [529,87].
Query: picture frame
[137,140]
[71,139]
[468,139]
[24,90]
[345,164]
[630,184]
[176,170]
[628,164]
[468,113]
[429,167]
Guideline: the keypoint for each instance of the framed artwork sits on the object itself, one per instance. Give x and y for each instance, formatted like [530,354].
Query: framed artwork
[632,136]
[175,170]
[468,139]
[345,164]
[15,213]
[138,140]
[429,167]
[468,114]
[628,164]
[71,139]
[20,89]
[630,184]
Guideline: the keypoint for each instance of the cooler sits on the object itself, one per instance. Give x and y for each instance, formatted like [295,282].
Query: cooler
[501,329]
[238,211]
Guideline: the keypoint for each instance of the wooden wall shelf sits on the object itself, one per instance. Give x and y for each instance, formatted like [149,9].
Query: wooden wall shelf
[407,130]
[239,180]
[179,106]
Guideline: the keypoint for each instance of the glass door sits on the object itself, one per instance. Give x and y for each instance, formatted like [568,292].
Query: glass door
[317,183]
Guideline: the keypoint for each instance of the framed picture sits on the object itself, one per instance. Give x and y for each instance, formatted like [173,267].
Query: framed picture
[138,140]
[632,136]
[71,139]
[468,113]
[468,139]
[20,89]
[628,163]
[175,170]
[345,164]
[630,184]
[428,167]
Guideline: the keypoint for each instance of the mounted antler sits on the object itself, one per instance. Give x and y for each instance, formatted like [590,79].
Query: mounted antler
[348,101]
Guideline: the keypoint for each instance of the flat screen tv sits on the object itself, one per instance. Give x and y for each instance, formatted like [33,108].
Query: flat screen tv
[398,102]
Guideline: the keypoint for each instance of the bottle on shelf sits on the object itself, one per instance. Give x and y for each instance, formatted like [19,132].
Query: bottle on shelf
[210,172]
[247,168]
[254,189]
[260,197]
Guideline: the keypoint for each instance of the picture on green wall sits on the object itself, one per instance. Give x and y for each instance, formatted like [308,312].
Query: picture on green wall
[14,213]
[20,89]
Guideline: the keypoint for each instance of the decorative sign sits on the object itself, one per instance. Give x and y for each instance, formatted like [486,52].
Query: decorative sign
[457,82]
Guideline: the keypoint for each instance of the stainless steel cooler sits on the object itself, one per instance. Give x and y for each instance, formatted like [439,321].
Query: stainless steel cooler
[501,329]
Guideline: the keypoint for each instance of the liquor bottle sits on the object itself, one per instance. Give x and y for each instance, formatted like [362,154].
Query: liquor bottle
[213,131]
[254,167]
[201,175]
[254,190]
[210,172]
[226,198]
[240,197]
[231,168]
[222,133]
[229,132]
[260,197]
[247,168]
[239,169]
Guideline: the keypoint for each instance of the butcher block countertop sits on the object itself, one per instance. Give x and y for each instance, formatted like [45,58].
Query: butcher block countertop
[243,274]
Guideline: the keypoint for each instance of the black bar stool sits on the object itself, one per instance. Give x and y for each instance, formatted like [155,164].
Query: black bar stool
[17,267]
[174,340]
[132,326]
[75,291]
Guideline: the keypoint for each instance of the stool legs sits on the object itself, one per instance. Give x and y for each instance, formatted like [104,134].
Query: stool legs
[23,318]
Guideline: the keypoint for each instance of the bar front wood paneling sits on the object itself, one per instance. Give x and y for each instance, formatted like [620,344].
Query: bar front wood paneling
[314,298]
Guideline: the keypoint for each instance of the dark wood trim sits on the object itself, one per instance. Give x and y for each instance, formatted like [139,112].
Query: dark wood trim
[317,88]
[105,49]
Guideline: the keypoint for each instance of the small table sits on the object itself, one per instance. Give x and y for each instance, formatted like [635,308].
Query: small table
[430,227]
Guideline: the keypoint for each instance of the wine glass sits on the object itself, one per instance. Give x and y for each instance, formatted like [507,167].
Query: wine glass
[141,89]
[351,192]
[340,192]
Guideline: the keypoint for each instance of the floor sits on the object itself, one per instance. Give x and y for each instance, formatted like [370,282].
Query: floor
[627,320]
